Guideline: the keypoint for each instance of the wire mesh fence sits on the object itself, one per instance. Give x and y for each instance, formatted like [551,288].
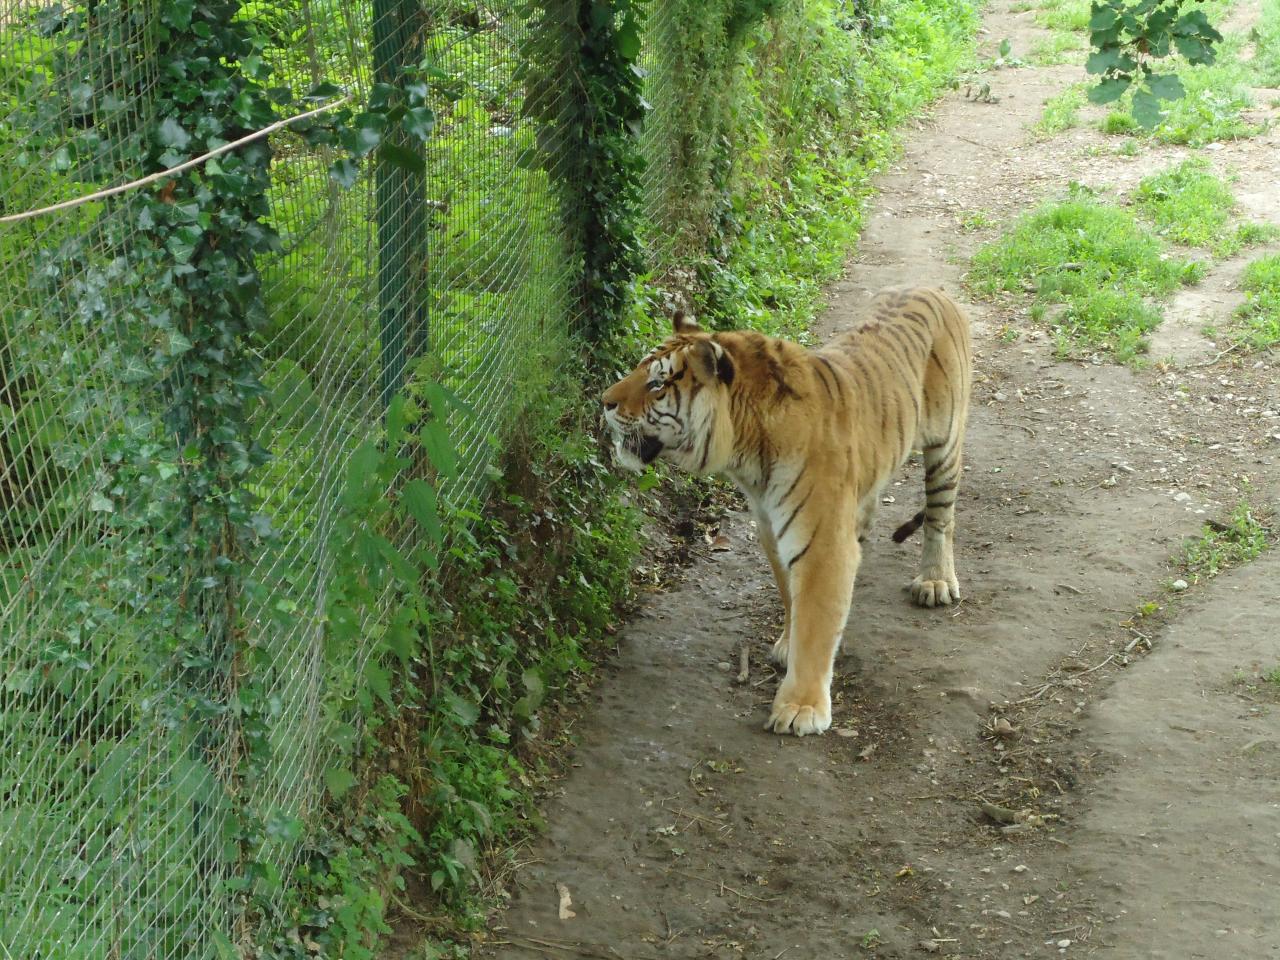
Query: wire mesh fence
[116,833]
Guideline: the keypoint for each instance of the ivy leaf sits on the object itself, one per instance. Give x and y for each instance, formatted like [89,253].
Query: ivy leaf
[419,122]
[171,134]
[364,134]
[1166,86]
[403,157]
[1109,90]
[627,39]
[323,91]
[101,503]
[344,171]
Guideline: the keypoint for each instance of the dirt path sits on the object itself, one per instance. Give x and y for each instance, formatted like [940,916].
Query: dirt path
[1146,757]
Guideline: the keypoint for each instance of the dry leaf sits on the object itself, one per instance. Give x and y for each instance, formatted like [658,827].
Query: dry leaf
[720,543]
[565,902]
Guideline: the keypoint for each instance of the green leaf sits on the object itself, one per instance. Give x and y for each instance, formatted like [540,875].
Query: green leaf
[401,156]
[379,682]
[419,122]
[464,711]
[1166,86]
[338,780]
[364,134]
[395,421]
[1109,90]
[1102,17]
[439,448]
[419,498]
[101,503]
[1100,61]
[171,134]
[344,171]
[1146,110]
[627,39]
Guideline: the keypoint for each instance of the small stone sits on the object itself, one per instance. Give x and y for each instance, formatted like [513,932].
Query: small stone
[1020,868]
[1063,944]
[999,397]
[724,666]
[1179,585]
[930,946]
[1182,496]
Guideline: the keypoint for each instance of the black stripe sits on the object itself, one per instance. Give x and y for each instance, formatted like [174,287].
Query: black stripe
[706,447]
[792,562]
[791,488]
[951,485]
[823,380]
[783,532]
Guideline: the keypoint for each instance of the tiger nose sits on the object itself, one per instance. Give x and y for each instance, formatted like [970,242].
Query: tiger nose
[610,405]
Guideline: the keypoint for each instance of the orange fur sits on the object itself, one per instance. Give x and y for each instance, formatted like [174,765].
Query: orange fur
[812,437]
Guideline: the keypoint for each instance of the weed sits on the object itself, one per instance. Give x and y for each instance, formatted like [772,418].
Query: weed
[1223,545]
[974,220]
[1061,112]
[1272,676]
[1259,317]
[1118,123]
[1093,260]
[1189,205]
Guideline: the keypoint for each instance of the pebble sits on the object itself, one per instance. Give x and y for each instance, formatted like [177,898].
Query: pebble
[1182,497]
[1063,944]
[1178,585]
[724,666]
[1020,868]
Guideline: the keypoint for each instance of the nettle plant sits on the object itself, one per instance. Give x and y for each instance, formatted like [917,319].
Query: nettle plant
[1128,36]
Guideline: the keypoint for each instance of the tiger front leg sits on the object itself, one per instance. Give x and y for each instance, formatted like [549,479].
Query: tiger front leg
[821,588]
[778,653]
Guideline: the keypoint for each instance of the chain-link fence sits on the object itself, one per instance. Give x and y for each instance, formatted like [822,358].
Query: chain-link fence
[116,836]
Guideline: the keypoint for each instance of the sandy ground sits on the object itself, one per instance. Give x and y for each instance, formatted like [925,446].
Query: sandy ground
[1142,753]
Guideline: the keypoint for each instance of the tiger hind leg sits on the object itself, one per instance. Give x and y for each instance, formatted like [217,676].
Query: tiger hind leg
[936,584]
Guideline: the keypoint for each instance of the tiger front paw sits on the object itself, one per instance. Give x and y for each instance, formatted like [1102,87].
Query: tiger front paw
[935,593]
[799,712]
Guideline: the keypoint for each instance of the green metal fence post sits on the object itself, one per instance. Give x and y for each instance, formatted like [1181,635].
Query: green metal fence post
[401,204]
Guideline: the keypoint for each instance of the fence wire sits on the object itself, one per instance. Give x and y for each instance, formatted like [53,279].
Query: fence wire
[114,842]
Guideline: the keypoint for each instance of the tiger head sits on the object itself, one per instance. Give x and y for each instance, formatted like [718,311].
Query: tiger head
[674,404]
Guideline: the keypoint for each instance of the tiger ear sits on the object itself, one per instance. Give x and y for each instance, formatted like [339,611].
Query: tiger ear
[713,361]
[681,322]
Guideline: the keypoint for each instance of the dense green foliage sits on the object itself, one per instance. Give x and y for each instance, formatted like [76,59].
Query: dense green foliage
[315,503]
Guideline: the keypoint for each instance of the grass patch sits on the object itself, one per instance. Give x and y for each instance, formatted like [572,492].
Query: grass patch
[1266,36]
[1223,545]
[1059,47]
[1258,324]
[972,221]
[1062,112]
[1189,205]
[1093,269]
[1068,15]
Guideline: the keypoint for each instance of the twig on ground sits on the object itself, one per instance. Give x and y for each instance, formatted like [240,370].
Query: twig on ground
[744,664]
[724,886]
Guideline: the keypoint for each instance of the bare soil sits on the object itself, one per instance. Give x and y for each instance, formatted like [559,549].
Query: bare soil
[1137,754]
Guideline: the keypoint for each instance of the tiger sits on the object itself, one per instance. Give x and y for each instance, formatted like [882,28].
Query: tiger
[812,438]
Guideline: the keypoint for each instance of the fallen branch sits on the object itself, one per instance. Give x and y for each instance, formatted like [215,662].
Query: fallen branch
[744,664]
